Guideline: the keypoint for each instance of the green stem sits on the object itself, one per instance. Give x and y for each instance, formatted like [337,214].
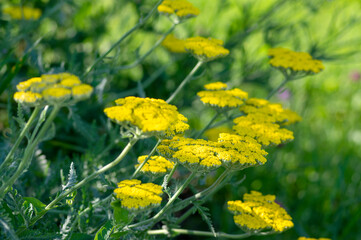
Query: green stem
[28,154]
[65,193]
[185,81]
[146,160]
[211,189]
[138,25]
[207,126]
[185,215]
[156,217]
[20,137]
[178,231]
[172,172]
[139,60]
[274,91]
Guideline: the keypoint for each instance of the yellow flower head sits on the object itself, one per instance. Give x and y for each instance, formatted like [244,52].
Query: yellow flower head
[135,195]
[200,155]
[265,111]
[56,94]
[258,212]
[27,98]
[216,86]
[174,44]
[82,91]
[151,116]
[156,165]
[266,133]
[222,98]
[18,13]
[182,8]
[205,49]
[54,89]
[296,61]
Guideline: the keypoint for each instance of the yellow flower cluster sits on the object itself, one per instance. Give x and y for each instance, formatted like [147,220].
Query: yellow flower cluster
[174,44]
[53,89]
[18,13]
[258,212]
[151,116]
[305,238]
[155,165]
[263,121]
[135,195]
[296,61]
[182,8]
[230,150]
[271,112]
[222,98]
[205,49]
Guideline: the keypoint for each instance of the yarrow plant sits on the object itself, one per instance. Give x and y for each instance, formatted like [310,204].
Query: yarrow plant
[146,202]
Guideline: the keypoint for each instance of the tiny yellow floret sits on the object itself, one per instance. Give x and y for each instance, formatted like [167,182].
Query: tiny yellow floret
[27,98]
[82,91]
[216,86]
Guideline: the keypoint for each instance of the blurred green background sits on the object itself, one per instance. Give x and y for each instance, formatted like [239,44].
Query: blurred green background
[316,177]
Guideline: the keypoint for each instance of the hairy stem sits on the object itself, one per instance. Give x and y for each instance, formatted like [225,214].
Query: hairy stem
[20,137]
[146,160]
[178,231]
[28,154]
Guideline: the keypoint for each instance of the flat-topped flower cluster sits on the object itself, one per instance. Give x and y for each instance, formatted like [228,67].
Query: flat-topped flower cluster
[258,212]
[52,89]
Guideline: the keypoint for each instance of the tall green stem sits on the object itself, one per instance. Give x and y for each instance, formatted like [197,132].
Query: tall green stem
[65,193]
[170,175]
[93,175]
[207,126]
[146,159]
[211,189]
[28,154]
[178,231]
[138,25]
[157,217]
[20,138]
[185,81]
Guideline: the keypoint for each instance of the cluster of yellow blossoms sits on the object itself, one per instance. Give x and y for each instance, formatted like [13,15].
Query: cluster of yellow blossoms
[182,8]
[204,49]
[26,13]
[135,195]
[258,212]
[52,89]
[305,238]
[150,116]
[231,151]
[296,61]
[263,122]
[218,97]
[156,165]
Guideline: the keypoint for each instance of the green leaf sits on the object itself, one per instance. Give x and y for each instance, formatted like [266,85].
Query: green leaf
[121,215]
[37,204]
[104,232]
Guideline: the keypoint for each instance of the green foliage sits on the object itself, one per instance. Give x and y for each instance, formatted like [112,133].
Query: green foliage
[316,177]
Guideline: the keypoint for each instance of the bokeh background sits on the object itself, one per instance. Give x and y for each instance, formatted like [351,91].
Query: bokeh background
[317,177]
